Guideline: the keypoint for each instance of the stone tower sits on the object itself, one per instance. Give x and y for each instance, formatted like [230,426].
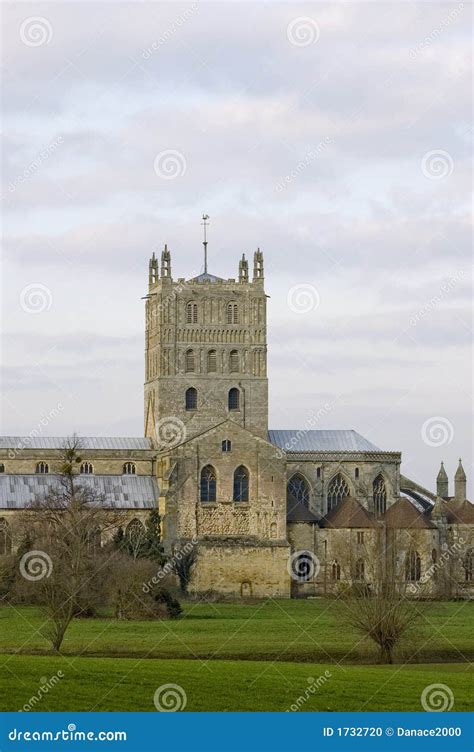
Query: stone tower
[460,483]
[442,484]
[205,351]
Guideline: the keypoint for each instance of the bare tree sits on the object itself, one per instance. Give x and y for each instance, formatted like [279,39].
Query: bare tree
[66,526]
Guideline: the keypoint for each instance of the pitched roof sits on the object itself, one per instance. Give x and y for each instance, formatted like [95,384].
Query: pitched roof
[206,277]
[459,512]
[403,514]
[86,442]
[348,513]
[119,491]
[298,512]
[301,440]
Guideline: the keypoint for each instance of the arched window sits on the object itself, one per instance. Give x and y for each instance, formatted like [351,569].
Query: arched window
[191,398]
[192,313]
[208,484]
[5,537]
[86,468]
[468,565]
[2,467]
[226,445]
[232,313]
[241,484]
[412,566]
[234,364]
[211,361]
[336,570]
[337,490]
[359,572]
[42,468]
[380,495]
[298,489]
[234,399]
[135,534]
[189,361]
[129,468]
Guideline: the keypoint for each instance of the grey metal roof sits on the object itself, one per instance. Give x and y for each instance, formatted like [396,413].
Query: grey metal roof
[301,440]
[87,442]
[206,277]
[121,491]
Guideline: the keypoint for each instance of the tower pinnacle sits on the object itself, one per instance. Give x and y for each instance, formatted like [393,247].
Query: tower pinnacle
[205,218]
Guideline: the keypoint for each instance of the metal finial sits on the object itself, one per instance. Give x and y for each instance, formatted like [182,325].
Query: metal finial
[204,223]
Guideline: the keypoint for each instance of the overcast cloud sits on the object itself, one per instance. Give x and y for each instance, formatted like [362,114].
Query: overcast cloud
[336,137]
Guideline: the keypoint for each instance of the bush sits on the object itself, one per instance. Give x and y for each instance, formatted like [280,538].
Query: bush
[133,596]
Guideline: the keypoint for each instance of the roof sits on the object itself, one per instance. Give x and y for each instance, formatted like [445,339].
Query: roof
[206,277]
[120,491]
[301,440]
[403,514]
[459,512]
[298,512]
[348,513]
[86,442]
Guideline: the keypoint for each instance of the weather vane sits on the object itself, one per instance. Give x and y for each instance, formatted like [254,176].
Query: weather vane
[204,223]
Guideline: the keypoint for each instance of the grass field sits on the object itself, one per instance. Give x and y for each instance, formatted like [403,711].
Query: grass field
[234,657]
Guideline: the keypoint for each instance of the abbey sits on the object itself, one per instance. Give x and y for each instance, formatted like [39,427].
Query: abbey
[271,512]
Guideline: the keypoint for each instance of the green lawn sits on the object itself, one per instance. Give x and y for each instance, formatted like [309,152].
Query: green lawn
[234,657]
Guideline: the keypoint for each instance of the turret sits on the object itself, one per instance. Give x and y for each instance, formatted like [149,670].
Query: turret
[153,270]
[258,265]
[166,263]
[243,269]
[460,483]
[442,483]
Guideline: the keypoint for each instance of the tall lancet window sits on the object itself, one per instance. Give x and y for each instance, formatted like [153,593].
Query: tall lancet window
[191,313]
[380,495]
[189,361]
[338,490]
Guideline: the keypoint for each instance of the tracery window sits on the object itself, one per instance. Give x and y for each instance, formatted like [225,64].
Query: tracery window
[338,490]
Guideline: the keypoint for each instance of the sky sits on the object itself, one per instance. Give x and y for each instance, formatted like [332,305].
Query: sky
[335,137]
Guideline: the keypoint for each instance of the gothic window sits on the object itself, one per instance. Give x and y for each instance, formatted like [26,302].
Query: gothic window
[468,566]
[2,467]
[232,313]
[5,537]
[298,488]
[241,484]
[135,535]
[356,473]
[42,468]
[338,489]
[380,495]
[234,399]
[360,537]
[86,468]
[191,398]
[336,570]
[412,566]
[208,484]
[318,473]
[189,361]
[191,313]
[234,365]
[359,570]
[129,468]
[211,361]
[226,445]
